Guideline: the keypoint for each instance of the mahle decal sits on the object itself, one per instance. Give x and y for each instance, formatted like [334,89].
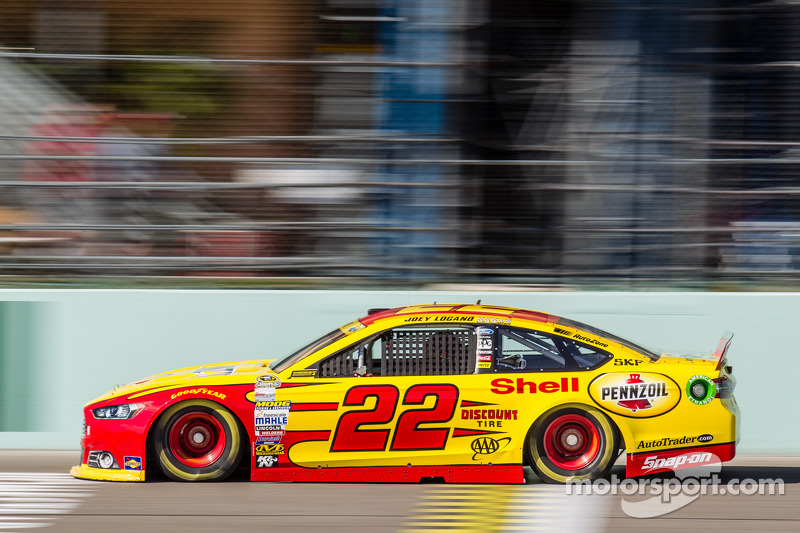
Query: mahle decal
[636,394]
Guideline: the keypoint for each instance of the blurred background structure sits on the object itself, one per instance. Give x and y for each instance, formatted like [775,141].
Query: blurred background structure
[629,143]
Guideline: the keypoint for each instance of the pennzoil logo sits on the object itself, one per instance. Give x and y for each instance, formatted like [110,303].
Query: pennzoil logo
[269,449]
[487,445]
[636,394]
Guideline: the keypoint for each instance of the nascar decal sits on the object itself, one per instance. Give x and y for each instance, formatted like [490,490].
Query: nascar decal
[635,394]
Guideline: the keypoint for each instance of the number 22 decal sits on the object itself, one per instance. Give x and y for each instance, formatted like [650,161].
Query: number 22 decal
[351,437]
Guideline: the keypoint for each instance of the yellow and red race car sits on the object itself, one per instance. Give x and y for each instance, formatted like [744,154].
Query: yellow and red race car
[467,393]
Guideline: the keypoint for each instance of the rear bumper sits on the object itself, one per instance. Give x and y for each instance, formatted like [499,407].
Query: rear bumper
[653,462]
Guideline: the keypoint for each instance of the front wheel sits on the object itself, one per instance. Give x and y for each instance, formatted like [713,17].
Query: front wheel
[572,443]
[198,440]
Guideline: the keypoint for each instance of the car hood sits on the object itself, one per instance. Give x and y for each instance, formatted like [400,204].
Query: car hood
[232,373]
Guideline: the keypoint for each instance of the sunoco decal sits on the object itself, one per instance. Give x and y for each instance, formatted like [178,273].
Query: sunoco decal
[636,394]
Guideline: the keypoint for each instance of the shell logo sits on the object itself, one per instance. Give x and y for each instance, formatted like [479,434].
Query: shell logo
[635,394]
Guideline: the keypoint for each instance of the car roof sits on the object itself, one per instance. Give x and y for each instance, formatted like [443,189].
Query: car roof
[459,309]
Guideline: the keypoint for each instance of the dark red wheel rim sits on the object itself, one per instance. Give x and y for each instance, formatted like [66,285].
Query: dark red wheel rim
[571,442]
[197,439]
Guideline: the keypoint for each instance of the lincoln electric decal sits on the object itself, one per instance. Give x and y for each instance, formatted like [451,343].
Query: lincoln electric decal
[635,394]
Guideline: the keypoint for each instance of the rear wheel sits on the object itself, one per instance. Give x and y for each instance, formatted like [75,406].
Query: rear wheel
[198,440]
[575,443]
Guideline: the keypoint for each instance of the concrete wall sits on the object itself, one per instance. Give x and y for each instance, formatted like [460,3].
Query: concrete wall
[61,348]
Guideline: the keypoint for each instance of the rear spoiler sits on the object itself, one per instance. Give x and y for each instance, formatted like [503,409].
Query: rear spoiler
[722,348]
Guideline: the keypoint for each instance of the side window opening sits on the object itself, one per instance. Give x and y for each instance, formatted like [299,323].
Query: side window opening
[523,350]
[407,351]
[528,350]
[585,356]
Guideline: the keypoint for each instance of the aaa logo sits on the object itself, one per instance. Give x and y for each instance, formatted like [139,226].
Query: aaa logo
[488,445]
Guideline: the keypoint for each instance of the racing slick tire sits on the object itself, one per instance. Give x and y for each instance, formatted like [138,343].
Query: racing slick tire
[198,440]
[575,442]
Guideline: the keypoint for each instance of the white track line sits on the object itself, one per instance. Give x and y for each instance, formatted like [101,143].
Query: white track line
[31,500]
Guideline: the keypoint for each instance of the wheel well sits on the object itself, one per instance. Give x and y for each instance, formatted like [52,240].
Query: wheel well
[526,448]
[151,461]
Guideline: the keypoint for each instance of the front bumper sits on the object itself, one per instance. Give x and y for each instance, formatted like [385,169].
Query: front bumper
[100,474]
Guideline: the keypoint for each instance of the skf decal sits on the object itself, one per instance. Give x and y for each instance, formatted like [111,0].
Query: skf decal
[487,445]
[627,362]
[523,386]
[132,463]
[207,392]
[636,395]
[269,449]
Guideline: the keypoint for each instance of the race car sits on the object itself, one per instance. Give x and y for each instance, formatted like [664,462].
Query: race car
[459,392]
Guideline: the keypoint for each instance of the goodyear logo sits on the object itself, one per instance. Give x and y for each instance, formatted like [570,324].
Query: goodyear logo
[269,449]
[274,403]
[487,445]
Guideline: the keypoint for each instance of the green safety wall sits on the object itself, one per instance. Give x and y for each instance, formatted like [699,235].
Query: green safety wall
[62,348]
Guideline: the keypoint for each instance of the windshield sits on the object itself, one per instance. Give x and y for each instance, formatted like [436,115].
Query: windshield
[289,360]
[600,333]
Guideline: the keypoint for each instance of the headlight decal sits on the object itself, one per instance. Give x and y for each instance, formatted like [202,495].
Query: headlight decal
[118,412]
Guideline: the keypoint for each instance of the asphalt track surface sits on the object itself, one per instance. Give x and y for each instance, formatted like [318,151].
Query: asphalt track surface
[36,494]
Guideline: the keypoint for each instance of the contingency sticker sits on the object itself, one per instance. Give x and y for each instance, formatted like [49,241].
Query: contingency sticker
[270,416]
